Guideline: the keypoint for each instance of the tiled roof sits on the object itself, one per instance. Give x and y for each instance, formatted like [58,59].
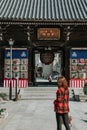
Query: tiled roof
[43,10]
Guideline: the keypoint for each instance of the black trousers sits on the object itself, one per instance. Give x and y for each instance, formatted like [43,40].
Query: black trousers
[60,118]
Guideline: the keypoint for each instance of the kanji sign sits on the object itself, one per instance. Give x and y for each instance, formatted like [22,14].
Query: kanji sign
[48,33]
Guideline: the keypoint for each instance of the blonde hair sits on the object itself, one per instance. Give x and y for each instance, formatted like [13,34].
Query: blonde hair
[63,81]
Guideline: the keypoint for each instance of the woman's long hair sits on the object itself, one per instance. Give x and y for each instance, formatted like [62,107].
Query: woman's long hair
[64,82]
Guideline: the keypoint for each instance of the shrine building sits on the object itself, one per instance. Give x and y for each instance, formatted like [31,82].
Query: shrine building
[49,39]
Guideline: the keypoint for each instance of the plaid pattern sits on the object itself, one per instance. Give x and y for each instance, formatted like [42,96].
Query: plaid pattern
[61,103]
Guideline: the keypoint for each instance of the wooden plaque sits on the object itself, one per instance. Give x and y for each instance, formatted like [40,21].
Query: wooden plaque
[48,34]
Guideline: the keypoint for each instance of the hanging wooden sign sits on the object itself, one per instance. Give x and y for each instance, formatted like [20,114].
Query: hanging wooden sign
[48,34]
[47,57]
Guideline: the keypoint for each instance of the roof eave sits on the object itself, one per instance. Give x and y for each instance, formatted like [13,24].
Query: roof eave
[44,21]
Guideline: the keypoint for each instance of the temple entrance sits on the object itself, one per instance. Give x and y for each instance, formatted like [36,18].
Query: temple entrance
[48,73]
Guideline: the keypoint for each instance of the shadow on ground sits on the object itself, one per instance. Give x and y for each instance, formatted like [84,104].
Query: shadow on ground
[84,121]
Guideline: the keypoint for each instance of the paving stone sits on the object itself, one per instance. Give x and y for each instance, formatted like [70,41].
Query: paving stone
[39,115]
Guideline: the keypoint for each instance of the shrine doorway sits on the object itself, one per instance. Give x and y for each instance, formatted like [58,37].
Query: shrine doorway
[47,70]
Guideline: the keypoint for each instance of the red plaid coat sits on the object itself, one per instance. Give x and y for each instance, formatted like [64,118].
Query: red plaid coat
[61,103]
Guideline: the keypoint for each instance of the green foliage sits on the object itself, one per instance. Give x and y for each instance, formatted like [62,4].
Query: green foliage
[3,95]
[85,89]
[2,110]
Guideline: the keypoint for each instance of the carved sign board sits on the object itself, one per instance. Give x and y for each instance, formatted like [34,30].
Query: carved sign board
[48,34]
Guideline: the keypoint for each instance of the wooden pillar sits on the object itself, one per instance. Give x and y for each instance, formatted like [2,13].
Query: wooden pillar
[31,66]
[1,66]
[67,63]
[30,35]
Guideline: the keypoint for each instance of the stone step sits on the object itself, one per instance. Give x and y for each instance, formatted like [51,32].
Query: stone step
[31,89]
[83,97]
[39,93]
[40,89]
[35,92]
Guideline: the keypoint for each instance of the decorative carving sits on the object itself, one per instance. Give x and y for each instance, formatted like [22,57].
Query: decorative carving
[1,35]
[28,33]
[47,57]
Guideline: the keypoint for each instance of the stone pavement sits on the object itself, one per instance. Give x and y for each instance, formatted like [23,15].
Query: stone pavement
[39,115]
[35,111]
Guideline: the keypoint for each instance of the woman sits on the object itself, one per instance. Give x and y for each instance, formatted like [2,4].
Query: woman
[61,106]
